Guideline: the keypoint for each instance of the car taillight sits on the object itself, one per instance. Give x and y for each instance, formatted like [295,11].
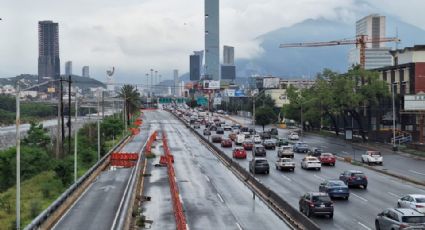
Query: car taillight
[404,226]
[419,206]
[311,204]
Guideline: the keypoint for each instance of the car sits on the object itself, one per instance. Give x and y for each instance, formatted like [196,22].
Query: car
[244,129]
[251,131]
[248,145]
[239,153]
[285,151]
[269,144]
[399,218]
[335,188]
[240,138]
[413,201]
[265,135]
[259,150]
[219,130]
[293,136]
[207,132]
[232,136]
[327,158]
[259,165]
[281,141]
[273,132]
[372,157]
[316,152]
[257,139]
[226,143]
[285,163]
[227,128]
[196,125]
[354,178]
[316,203]
[213,127]
[300,147]
[310,162]
[216,139]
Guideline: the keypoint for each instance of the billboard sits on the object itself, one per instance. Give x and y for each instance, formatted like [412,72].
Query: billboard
[239,93]
[271,82]
[414,102]
[230,92]
[208,84]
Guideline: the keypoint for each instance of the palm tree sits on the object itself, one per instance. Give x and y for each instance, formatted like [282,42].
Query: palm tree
[131,99]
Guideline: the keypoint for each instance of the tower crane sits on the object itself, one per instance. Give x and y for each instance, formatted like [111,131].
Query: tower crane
[360,41]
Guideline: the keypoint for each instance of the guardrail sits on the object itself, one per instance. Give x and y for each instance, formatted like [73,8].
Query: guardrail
[280,206]
[50,215]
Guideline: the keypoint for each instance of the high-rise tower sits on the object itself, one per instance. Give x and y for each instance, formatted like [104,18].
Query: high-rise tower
[48,51]
[212,39]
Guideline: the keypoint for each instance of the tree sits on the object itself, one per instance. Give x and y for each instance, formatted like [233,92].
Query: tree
[37,136]
[111,127]
[264,116]
[131,99]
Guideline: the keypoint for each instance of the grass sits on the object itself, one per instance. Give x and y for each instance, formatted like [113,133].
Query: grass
[37,194]
[412,151]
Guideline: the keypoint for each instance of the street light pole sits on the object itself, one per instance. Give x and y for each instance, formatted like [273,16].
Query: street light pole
[98,129]
[394,125]
[18,160]
[75,138]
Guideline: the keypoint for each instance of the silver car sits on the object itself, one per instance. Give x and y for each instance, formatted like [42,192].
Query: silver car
[400,218]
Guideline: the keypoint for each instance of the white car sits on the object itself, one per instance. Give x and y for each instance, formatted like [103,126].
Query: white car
[413,201]
[311,163]
[240,138]
[257,139]
[372,157]
[293,136]
[285,163]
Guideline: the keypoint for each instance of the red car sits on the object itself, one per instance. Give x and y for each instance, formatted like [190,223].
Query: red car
[248,145]
[226,143]
[327,158]
[239,153]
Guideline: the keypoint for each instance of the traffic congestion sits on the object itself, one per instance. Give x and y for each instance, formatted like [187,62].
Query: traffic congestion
[335,193]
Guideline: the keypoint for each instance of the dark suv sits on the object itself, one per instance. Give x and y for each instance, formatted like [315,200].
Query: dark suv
[259,150]
[259,165]
[354,178]
[316,203]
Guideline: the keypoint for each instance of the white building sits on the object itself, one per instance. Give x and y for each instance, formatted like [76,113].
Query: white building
[8,89]
[409,55]
[86,71]
[68,68]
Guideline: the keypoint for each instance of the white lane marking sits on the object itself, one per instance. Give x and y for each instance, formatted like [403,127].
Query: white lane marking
[219,197]
[287,178]
[207,178]
[319,177]
[423,174]
[361,198]
[394,195]
[364,226]
[239,226]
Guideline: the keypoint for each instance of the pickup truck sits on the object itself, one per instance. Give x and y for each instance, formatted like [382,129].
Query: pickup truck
[372,157]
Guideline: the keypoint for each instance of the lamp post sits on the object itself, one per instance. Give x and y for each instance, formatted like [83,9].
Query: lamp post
[394,125]
[75,138]
[147,84]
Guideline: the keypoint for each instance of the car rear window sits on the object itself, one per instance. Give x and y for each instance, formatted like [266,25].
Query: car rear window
[336,183]
[326,154]
[303,145]
[420,199]
[413,219]
[321,199]
[261,162]
[358,174]
[375,153]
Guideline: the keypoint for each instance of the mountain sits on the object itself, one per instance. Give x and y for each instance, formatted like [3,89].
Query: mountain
[298,62]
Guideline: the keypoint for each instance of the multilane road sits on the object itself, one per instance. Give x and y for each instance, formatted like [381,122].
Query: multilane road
[358,212]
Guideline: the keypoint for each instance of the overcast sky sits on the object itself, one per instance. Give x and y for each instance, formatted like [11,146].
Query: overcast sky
[136,35]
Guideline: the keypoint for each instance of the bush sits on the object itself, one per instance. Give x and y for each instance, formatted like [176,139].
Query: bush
[35,208]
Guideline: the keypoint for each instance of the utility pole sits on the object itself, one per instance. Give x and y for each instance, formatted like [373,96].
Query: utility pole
[75,138]
[62,120]
[69,115]
[394,126]
[58,138]
[18,160]
[103,105]
[150,88]
[98,128]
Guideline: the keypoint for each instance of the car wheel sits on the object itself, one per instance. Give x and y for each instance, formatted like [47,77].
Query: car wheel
[377,227]
[346,198]
[277,168]
[362,160]
[267,172]
[364,186]
[301,209]
[319,169]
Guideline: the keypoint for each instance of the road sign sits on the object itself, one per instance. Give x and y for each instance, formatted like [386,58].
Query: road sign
[202,101]
[217,101]
[208,84]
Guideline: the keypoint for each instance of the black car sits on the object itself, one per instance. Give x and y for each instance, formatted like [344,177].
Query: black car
[259,150]
[269,144]
[265,135]
[274,132]
[316,152]
[316,203]
[219,130]
[259,165]
[207,132]
[354,178]
[251,131]
[213,128]
[216,139]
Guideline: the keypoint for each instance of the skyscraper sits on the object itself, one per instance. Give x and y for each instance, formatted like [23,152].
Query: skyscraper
[212,39]
[68,68]
[86,71]
[194,66]
[176,81]
[376,54]
[48,51]
[228,55]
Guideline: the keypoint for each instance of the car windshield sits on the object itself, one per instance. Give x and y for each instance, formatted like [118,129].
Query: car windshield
[413,219]
[303,145]
[321,199]
[375,153]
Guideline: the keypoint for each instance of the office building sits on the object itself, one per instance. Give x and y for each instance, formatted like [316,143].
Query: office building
[194,67]
[48,51]
[86,71]
[212,40]
[201,57]
[228,72]
[68,68]
[176,81]
[228,55]
[376,54]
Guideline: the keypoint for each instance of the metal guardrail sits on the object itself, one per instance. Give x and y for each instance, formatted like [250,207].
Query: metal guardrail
[272,199]
[42,217]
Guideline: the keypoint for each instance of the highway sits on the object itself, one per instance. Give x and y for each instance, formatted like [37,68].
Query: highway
[213,198]
[96,208]
[358,212]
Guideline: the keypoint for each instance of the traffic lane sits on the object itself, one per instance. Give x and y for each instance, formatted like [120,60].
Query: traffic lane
[97,207]
[373,197]
[231,193]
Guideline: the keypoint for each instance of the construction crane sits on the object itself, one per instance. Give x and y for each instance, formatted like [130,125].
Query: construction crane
[360,41]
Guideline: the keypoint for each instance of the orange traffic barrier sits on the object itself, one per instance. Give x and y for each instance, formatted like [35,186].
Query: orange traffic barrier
[151,139]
